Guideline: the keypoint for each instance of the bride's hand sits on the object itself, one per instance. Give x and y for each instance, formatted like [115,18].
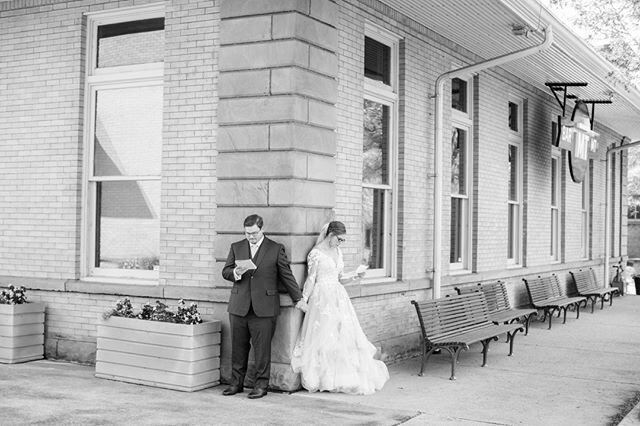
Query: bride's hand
[302,305]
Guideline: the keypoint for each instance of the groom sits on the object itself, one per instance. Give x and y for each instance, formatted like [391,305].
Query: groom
[254,304]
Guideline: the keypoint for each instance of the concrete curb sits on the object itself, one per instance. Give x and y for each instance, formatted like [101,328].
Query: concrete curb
[632,418]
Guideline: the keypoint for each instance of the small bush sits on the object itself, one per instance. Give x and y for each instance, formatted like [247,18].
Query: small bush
[13,295]
[157,312]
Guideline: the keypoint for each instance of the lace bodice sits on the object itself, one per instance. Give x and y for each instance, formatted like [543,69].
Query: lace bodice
[321,269]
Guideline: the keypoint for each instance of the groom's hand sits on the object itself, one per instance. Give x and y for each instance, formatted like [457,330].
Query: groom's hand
[238,271]
[302,305]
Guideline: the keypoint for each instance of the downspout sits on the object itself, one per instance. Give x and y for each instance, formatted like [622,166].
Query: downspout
[439,143]
[607,247]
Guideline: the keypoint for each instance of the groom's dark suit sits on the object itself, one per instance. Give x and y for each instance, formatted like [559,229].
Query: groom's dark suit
[255,304]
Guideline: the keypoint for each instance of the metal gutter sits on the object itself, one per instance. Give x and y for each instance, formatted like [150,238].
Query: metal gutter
[607,247]
[439,143]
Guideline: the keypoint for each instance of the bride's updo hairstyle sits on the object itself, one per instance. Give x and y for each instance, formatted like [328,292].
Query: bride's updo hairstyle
[336,228]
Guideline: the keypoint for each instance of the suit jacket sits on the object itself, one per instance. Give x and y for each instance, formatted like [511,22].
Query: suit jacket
[259,288]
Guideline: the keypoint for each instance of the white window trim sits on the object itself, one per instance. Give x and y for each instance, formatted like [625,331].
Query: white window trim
[584,214]
[387,95]
[383,36]
[555,155]
[512,133]
[464,121]
[110,78]
[516,139]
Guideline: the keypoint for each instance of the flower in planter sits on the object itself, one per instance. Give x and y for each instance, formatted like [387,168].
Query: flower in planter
[188,315]
[157,312]
[13,295]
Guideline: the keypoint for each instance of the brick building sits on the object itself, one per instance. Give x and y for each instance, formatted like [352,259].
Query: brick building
[136,136]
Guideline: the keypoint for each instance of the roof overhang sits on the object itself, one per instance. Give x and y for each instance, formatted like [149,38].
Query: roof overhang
[485,29]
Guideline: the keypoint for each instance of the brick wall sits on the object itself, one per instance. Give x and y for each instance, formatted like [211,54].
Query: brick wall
[41,110]
[189,144]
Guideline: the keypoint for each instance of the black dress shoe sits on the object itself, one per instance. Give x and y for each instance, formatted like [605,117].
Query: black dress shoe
[257,393]
[232,390]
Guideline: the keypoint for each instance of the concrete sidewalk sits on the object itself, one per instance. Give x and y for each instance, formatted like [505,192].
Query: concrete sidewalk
[578,373]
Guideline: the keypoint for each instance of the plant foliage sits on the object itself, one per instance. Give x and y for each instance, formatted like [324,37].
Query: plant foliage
[157,312]
[13,295]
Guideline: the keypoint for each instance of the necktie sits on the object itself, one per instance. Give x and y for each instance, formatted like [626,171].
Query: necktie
[254,249]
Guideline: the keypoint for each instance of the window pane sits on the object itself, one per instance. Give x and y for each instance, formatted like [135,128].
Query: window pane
[584,237]
[127,224]
[128,132]
[130,43]
[458,221]
[376,143]
[513,173]
[373,222]
[513,116]
[554,234]
[554,182]
[513,231]
[377,60]
[458,161]
[459,94]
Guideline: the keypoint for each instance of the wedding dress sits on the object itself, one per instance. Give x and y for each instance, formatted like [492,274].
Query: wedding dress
[332,352]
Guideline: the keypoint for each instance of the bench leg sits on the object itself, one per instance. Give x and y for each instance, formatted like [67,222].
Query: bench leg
[511,336]
[423,359]
[578,308]
[527,320]
[564,309]
[510,322]
[454,352]
[426,354]
[593,299]
[602,302]
[550,316]
[485,349]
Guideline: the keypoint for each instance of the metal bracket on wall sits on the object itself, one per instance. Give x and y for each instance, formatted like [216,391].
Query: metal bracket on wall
[593,103]
[562,87]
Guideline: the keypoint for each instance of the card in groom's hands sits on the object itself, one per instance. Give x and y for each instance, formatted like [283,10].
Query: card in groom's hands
[246,263]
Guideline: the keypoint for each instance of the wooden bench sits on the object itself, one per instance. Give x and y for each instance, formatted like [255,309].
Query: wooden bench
[455,322]
[500,310]
[545,294]
[587,286]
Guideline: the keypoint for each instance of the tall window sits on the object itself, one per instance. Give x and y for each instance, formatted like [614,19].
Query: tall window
[378,149]
[555,208]
[459,241]
[125,51]
[612,208]
[514,199]
[584,215]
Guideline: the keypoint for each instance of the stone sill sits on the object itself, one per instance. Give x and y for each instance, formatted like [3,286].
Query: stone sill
[208,294]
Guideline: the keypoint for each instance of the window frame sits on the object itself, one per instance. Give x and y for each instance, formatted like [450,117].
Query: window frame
[464,121]
[556,206]
[515,138]
[377,91]
[585,217]
[116,77]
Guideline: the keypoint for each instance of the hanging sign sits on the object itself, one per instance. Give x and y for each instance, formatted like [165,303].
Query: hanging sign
[577,137]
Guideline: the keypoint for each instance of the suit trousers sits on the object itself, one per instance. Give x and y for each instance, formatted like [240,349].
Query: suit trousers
[246,331]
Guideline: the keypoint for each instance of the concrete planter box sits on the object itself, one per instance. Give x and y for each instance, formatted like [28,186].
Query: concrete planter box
[21,332]
[172,356]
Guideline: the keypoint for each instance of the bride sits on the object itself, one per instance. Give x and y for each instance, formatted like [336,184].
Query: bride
[332,352]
